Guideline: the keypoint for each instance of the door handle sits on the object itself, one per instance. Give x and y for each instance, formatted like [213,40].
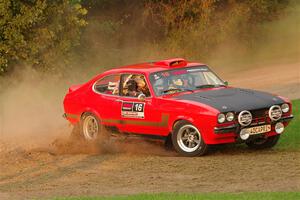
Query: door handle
[119,100]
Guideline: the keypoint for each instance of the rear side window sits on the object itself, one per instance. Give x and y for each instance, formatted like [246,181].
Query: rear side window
[108,85]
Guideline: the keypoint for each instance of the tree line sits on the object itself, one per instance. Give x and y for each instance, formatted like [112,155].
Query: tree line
[51,34]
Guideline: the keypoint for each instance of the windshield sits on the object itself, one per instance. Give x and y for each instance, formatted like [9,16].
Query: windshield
[184,79]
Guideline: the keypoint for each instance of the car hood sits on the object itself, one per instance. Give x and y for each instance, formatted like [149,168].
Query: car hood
[233,99]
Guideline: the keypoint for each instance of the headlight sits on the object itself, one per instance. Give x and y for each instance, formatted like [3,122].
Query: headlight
[279,127]
[229,116]
[221,118]
[245,118]
[285,107]
[275,113]
[244,135]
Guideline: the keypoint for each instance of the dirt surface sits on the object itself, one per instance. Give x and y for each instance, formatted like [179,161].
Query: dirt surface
[61,167]
[138,169]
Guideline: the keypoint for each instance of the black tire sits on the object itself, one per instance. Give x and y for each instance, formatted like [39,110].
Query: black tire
[263,143]
[169,143]
[80,131]
[180,128]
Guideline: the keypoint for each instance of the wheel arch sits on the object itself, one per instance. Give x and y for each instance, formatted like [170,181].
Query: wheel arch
[178,119]
[189,120]
[92,111]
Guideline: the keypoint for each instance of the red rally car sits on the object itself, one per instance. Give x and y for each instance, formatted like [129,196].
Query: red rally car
[179,101]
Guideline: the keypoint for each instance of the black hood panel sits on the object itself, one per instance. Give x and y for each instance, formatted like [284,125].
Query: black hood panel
[233,99]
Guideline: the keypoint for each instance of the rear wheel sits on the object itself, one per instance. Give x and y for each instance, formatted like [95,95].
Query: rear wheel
[187,140]
[89,129]
[263,143]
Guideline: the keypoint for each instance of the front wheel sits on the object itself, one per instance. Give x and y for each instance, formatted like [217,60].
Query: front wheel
[263,143]
[187,140]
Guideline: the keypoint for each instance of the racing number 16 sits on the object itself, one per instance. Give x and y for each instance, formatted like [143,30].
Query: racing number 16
[138,107]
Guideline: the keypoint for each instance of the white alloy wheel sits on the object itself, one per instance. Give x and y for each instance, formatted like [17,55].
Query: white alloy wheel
[188,138]
[90,127]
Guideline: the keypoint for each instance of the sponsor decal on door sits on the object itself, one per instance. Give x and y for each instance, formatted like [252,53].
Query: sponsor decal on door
[133,110]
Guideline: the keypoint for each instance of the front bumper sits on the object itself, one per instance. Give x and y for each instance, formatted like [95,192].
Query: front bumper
[235,128]
[226,129]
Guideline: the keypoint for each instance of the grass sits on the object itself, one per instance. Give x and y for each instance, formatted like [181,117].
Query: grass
[211,196]
[290,139]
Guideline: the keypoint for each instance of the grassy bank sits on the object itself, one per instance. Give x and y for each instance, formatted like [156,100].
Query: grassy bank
[290,140]
[211,196]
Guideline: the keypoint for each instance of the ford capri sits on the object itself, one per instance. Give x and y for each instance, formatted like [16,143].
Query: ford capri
[183,103]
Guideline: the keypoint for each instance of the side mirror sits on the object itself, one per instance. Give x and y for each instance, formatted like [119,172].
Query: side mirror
[141,97]
[226,83]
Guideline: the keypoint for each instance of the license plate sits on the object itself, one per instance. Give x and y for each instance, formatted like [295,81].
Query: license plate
[258,129]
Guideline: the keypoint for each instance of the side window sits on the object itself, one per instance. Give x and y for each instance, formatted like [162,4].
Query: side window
[133,85]
[108,85]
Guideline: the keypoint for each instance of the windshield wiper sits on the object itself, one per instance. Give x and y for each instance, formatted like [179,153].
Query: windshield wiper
[170,90]
[176,89]
[208,86]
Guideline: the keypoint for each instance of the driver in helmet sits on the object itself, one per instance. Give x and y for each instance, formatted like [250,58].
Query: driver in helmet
[176,82]
[132,88]
[142,86]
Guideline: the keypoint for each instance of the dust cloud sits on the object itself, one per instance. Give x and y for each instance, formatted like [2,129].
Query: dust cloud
[31,109]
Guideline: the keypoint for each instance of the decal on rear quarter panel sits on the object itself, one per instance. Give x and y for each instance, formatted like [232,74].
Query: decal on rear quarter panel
[133,110]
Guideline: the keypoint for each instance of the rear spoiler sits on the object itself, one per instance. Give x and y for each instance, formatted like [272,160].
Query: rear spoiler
[74,87]
[173,62]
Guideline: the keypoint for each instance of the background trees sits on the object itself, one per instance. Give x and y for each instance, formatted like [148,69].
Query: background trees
[38,32]
[63,35]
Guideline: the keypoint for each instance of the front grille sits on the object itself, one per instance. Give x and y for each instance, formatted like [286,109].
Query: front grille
[260,116]
[261,113]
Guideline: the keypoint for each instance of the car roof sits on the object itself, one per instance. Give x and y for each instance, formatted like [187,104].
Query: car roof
[150,67]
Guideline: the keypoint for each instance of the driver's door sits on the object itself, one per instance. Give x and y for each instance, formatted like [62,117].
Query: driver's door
[136,115]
